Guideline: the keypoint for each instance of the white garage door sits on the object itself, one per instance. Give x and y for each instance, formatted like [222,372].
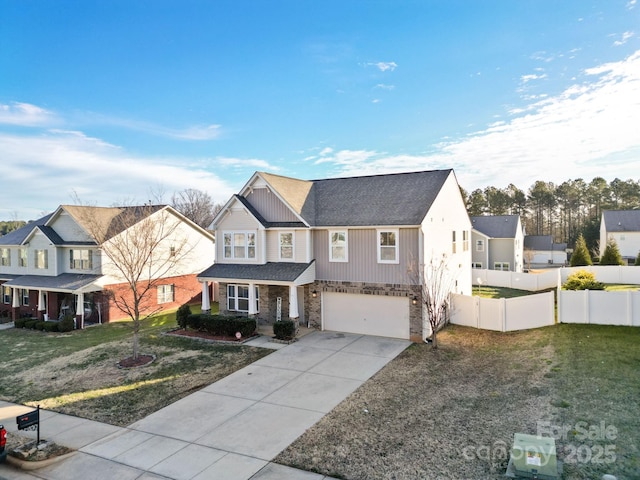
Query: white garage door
[369,314]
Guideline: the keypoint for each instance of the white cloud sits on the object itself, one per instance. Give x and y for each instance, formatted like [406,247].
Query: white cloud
[26,115]
[50,166]
[245,163]
[625,36]
[588,130]
[384,66]
[533,76]
[385,87]
[631,4]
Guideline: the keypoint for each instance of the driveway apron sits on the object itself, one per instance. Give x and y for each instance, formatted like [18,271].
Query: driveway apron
[233,428]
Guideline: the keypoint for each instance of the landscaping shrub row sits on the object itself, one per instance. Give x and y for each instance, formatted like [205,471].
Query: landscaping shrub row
[221,324]
[65,325]
[284,329]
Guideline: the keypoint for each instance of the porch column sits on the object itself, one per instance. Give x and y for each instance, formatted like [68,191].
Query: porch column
[80,310]
[206,304]
[252,299]
[293,302]
[41,306]
[15,304]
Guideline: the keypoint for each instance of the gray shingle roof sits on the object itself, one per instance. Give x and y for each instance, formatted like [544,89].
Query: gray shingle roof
[18,236]
[65,282]
[539,242]
[395,199]
[496,226]
[271,271]
[621,220]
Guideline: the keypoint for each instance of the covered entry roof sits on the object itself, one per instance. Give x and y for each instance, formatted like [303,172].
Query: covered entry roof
[270,273]
[66,283]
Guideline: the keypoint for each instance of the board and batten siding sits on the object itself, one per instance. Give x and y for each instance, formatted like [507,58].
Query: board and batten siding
[299,246]
[363,263]
[270,206]
[239,220]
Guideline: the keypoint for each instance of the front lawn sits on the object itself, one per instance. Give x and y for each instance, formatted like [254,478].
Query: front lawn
[452,413]
[77,372]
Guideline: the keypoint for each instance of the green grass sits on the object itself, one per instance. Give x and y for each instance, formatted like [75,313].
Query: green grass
[622,287]
[486,291]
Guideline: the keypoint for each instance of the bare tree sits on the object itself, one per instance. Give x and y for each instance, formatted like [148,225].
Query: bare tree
[529,254]
[196,205]
[143,245]
[434,282]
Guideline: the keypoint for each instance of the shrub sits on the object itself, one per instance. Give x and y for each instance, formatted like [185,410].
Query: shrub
[67,324]
[50,326]
[195,321]
[580,256]
[582,280]
[222,325]
[637,263]
[611,255]
[31,323]
[19,323]
[182,315]
[284,329]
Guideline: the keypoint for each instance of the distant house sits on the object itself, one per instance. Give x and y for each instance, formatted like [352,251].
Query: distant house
[54,266]
[622,226]
[541,252]
[498,242]
[335,253]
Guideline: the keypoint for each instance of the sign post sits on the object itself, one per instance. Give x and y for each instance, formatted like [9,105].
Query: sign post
[29,420]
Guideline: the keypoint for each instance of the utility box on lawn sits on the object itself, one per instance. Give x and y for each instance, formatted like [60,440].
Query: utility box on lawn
[534,457]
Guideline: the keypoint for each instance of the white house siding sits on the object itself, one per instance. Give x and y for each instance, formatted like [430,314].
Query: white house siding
[501,250]
[64,258]
[448,213]
[363,263]
[628,243]
[300,254]
[40,242]
[67,228]
[270,206]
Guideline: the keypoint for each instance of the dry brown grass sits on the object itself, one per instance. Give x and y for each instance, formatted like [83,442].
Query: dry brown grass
[452,413]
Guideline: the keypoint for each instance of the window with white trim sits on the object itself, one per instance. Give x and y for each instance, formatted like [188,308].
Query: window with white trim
[388,246]
[6,295]
[22,257]
[476,264]
[41,259]
[5,257]
[239,245]
[238,298]
[80,259]
[504,266]
[286,245]
[338,246]
[165,293]
[453,241]
[479,245]
[465,241]
[25,296]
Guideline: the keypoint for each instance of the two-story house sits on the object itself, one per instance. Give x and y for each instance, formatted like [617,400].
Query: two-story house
[623,227]
[56,265]
[335,253]
[498,242]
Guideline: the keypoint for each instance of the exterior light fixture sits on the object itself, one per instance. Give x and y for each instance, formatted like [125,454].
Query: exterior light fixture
[414,300]
[314,294]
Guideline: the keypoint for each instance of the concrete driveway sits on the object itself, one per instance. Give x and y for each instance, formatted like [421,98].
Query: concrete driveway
[233,428]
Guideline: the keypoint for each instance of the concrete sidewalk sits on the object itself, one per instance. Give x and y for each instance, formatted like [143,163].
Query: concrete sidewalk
[231,429]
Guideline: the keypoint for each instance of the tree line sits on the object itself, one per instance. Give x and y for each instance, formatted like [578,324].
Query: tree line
[563,211]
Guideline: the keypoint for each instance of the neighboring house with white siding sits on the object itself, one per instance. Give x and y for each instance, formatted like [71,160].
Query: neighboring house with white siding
[335,253]
[622,226]
[54,266]
[541,252]
[497,242]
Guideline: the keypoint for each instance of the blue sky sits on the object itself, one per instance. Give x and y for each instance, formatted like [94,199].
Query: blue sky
[114,101]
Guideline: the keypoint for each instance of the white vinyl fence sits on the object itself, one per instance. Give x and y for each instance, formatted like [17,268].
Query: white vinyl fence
[532,311]
[503,314]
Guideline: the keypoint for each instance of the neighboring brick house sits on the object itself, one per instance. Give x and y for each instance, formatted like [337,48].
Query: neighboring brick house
[54,266]
[622,226]
[497,242]
[335,253]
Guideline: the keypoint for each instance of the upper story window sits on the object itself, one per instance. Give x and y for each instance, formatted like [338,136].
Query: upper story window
[172,251]
[81,259]
[453,241]
[387,246]
[286,245]
[479,245]
[41,259]
[239,245]
[338,246]
[22,257]
[5,257]
[465,241]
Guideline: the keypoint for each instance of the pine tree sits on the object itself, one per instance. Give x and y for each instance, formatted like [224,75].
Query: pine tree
[580,256]
[611,255]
